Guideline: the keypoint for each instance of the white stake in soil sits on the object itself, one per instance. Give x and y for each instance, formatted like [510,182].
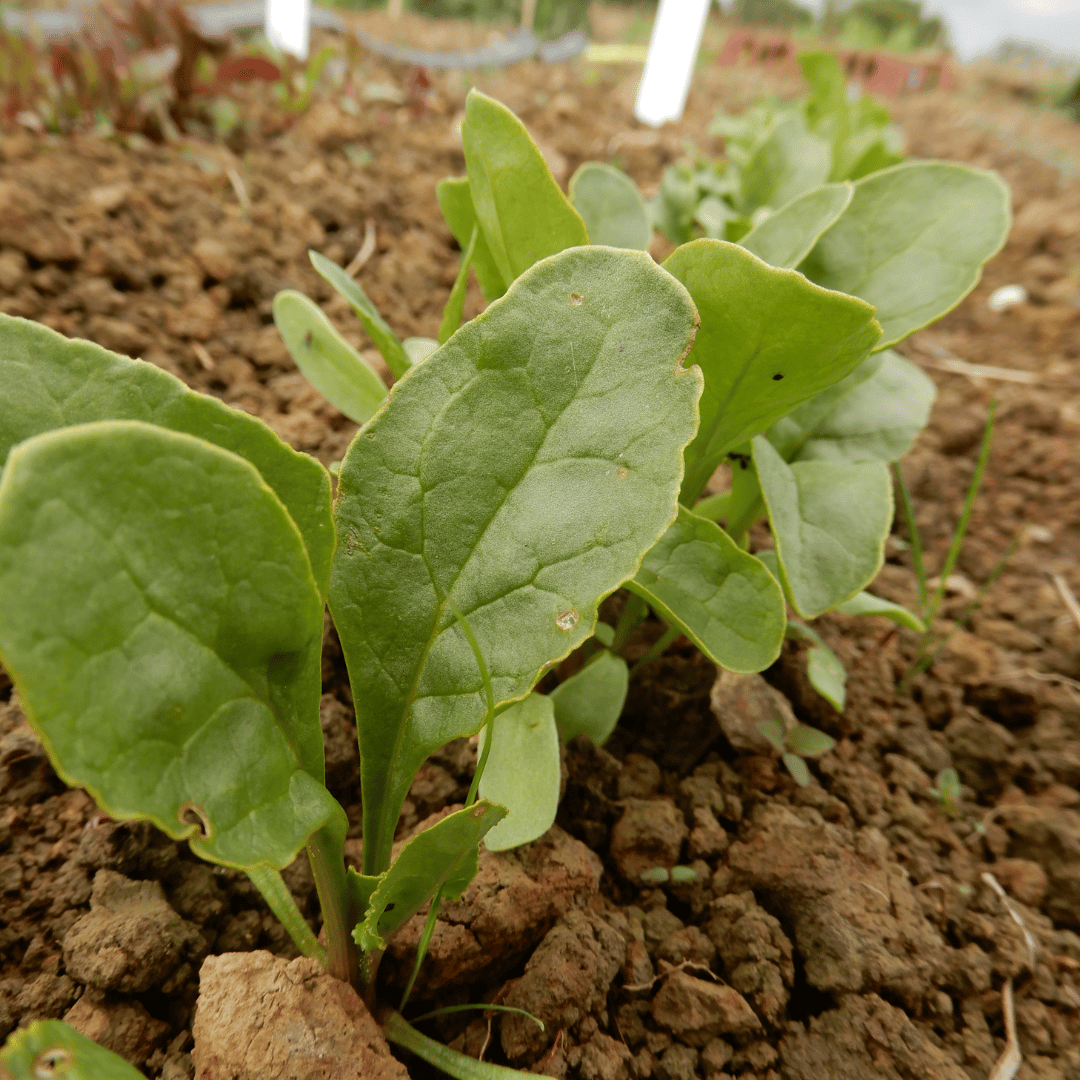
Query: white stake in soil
[288,25]
[673,49]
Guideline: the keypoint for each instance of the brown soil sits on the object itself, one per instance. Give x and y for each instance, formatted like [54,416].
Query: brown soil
[842,930]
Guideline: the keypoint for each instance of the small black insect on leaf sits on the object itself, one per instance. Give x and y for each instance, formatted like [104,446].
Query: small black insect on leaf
[777,377]
[742,459]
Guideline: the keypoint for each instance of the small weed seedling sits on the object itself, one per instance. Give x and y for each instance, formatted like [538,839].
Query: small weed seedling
[948,794]
[795,744]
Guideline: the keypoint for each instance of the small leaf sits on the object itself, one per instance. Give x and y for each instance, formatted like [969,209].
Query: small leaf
[773,730]
[605,634]
[51,382]
[611,206]
[768,341]
[913,242]
[591,701]
[865,603]
[425,862]
[785,238]
[807,741]
[878,420]
[830,521]
[455,201]
[655,875]
[682,875]
[523,772]
[455,304]
[326,359]
[521,471]
[824,668]
[162,624]
[797,767]
[51,1048]
[382,337]
[948,784]
[788,162]
[523,214]
[697,579]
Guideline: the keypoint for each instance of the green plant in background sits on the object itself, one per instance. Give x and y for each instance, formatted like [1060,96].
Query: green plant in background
[948,794]
[795,744]
[804,398]
[785,13]
[774,152]
[895,25]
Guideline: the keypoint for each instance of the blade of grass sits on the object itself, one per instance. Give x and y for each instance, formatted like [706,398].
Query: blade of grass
[914,536]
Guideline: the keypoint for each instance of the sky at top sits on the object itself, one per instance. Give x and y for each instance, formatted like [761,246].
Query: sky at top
[976,26]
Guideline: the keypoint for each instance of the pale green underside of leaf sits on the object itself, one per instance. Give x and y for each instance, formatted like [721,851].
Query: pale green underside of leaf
[523,771]
[522,470]
[524,215]
[455,201]
[721,597]
[865,603]
[591,700]
[875,414]
[611,206]
[788,162]
[913,242]
[326,359]
[824,668]
[163,628]
[382,337]
[758,322]
[52,382]
[429,859]
[27,1051]
[785,238]
[829,520]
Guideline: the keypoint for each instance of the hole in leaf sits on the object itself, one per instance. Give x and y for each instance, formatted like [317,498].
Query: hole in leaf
[52,1063]
[567,620]
[191,814]
[576,299]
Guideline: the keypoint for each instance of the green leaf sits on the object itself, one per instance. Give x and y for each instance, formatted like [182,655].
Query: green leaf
[591,700]
[913,242]
[697,579]
[524,215]
[455,201]
[757,323]
[523,771]
[773,730]
[605,634]
[865,603]
[163,627]
[52,382]
[455,304]
[828,87]
[419,348]
[785,238]
[829,520]
[807,741]
[611,206]
[382,337]
[789,161]
[51,1048]
[521,471]
[326,359]
[452,1062]
[878,420]
[430,858]
[824,668]
[798,769]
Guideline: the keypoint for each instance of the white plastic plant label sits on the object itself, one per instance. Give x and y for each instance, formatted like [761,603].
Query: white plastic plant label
[288,25]
[673,49]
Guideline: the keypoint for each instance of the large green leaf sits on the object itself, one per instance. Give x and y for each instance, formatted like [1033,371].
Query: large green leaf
[521,471]
[327,360]
[721,597]
[878,421]
[524,215]
[161,622]
[785,238]
[591,700]
[455,201]
[611,206]
[429,859]
[382,337]
[523,771]
[913,241]
[769,339]
[829,520]
[52,382]
[789,161]
[51,1048]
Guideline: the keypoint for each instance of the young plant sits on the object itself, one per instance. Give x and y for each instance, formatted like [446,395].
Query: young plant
[165,562]
[795,744]
[775,152]
[803,397]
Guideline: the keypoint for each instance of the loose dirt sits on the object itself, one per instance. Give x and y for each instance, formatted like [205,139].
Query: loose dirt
[842,930]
